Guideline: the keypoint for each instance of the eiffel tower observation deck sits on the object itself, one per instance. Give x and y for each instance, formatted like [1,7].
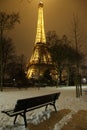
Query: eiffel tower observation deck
[40,60]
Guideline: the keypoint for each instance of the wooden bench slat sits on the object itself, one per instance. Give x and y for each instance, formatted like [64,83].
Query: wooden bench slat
[12,112]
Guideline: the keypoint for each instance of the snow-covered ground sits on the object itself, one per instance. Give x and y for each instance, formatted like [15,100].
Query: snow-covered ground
[67,100]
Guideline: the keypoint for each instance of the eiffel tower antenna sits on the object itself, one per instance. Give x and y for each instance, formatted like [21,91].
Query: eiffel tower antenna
[40,34]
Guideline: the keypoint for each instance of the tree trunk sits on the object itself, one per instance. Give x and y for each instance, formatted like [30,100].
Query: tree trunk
[1,63]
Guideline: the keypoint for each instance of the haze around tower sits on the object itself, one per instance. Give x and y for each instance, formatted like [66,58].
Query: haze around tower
[57,16]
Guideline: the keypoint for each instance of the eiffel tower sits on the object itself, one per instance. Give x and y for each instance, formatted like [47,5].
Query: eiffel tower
[40,60]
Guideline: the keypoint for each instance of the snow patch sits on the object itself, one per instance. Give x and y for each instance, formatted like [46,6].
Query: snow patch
[63,121]
[67,100]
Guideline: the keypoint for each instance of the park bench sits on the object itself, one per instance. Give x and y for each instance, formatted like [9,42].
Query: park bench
[24,105]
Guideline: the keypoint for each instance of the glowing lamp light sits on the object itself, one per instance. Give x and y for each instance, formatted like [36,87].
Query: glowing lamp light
[84,80]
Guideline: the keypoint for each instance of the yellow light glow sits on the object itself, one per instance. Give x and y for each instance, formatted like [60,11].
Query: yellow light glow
[41,56]
[40,34]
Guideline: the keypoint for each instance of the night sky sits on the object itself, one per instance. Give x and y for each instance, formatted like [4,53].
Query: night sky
[58,15]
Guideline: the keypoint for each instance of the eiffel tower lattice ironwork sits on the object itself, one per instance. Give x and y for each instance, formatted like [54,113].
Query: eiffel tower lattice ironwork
[40,60]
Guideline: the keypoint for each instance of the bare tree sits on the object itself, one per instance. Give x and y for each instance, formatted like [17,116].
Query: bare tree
[62,54]
[7,22]
[8,53]
[76,37]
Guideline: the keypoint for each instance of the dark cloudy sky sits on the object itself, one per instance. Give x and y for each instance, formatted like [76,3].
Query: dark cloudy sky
[58,16]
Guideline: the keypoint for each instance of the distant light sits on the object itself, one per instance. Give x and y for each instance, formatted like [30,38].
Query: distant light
[84,80]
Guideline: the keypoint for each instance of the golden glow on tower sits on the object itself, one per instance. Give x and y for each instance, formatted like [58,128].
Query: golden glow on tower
[41,59]
[40,34]
[40,56]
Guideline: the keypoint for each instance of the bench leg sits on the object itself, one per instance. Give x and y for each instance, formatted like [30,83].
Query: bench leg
[46,107]
[15,119]
[53,104]
[25,121]
[55,107]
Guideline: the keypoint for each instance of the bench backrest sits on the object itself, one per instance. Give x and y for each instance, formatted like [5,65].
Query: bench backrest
[24,104]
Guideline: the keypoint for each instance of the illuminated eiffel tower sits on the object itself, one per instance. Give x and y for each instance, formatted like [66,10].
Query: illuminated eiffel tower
[40,60]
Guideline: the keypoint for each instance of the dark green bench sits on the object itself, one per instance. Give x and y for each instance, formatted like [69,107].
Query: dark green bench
[24,105]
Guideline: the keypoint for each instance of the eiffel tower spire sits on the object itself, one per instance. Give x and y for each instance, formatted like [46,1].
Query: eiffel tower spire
[40,35]
[40,60]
